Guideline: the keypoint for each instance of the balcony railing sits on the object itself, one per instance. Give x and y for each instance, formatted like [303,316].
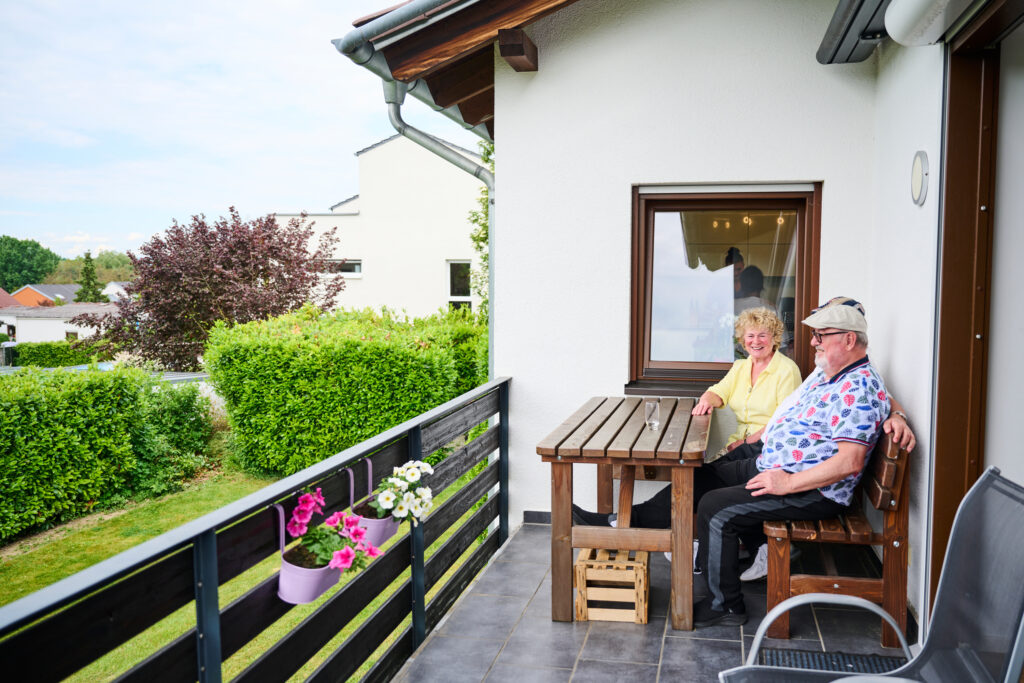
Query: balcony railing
[58,630]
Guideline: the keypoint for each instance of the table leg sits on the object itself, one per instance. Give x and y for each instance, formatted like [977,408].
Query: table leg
[626,479]
[605,489]
[681,596]
[561,542]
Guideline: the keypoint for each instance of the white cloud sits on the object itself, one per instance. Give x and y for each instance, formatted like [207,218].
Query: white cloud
[165,110]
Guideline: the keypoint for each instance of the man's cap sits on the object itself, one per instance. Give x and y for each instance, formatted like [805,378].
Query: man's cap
[842,313]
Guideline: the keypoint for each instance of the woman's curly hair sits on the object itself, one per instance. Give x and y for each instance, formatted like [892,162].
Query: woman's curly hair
[760,318]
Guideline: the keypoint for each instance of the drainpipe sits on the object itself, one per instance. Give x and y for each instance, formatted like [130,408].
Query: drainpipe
[356,46]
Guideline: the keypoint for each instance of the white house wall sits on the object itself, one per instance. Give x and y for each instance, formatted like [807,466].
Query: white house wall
[411,218]
[48,329]
[1006,325]
[902,241]
[662,91]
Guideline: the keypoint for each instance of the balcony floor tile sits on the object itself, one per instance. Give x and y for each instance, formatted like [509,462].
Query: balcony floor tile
[501,630]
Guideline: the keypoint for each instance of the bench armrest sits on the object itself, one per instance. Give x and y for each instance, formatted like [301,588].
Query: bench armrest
[798,600]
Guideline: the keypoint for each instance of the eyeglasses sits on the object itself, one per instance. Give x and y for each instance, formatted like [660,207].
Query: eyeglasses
[818,335]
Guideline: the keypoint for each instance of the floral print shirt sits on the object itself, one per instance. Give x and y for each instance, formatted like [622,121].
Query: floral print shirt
[851,406]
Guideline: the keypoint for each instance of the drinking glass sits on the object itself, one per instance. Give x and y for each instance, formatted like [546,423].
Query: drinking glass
[652,414]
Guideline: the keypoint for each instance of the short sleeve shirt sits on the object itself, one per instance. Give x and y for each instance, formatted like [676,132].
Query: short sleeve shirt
[850,406]
[754,405]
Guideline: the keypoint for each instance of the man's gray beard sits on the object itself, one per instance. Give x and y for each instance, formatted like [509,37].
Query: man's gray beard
[820,362]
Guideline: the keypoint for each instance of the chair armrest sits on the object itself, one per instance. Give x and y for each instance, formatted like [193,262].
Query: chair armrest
[798,600]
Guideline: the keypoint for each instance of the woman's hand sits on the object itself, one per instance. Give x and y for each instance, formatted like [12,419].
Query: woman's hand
[708,400]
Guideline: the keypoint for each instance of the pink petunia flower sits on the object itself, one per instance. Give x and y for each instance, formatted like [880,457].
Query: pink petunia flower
[318,497]
[372,551]
[342,559]
[303,515]
[308,502]
[296,529]
[335,519]
[352,521]
[357,533]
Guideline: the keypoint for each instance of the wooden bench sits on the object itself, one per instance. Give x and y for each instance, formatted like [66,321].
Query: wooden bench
[885,486]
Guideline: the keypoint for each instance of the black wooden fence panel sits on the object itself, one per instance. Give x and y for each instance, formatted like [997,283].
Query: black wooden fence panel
[344,661]
[447,596]
[462,420]
[442,560]
[389,663]
[100,622]
[91,615]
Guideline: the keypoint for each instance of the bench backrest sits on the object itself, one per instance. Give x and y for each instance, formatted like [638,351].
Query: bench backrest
[884,481]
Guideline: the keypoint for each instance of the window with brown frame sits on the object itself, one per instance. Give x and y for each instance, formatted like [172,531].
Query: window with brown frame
[698,260]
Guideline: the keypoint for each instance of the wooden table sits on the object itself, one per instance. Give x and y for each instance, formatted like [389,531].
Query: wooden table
[610,432]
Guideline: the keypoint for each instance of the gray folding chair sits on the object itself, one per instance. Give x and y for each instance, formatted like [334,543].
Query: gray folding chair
[977,625]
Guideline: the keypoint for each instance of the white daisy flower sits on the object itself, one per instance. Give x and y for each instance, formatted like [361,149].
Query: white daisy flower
[425,468]
[386,500]
[424,493]
[409,498]
[401,510]
[417,510]
[412,475]
[400,484]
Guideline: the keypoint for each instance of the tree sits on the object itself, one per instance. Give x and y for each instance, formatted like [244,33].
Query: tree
[111,266]
[230,270]
[24,262]
[90,287]
[479,236]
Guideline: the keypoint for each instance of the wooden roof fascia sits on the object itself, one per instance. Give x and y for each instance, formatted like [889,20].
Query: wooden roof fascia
[479,108]
[448,40]
[463,79]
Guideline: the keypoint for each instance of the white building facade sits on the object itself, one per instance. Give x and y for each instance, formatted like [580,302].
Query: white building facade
[405,236]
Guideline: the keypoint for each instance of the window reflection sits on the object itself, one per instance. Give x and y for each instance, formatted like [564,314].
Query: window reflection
[708,266]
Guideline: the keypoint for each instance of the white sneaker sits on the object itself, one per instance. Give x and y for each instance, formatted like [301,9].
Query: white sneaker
[759,569]
[613,521]
[668,556]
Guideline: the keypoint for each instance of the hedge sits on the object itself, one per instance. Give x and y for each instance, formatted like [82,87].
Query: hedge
[71,441]
[54,354]
[306,385]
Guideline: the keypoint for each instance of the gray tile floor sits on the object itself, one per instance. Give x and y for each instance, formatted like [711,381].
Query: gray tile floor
[501,630]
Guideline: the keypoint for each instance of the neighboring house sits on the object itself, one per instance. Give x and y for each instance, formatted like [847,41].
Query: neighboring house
[48,323]
[115,290]
[645,138]
[45,295]
[7,300]
[405,236]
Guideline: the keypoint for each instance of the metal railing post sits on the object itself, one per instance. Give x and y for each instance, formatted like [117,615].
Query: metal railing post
[204,554]
[503,463]
[417,561]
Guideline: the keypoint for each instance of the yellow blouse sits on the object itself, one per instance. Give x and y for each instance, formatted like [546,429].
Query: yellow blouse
[754,405]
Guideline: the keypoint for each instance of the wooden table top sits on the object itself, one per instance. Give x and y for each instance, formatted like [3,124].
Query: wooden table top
[614,427]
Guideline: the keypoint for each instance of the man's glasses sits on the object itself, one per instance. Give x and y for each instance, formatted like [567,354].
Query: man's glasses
[818,335]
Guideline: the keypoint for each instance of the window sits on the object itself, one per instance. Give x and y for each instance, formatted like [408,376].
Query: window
[458,284]
[349,267]
[70,336]
[699,259]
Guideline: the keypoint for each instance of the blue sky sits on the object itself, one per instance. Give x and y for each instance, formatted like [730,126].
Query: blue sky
[119,116]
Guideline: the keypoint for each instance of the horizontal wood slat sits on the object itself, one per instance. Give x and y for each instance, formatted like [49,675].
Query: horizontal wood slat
[776,529]
[468,77]
[671,445]
[392,661]
[450,426]
[573,445]
[443,558]
[100,622]
[697,437]
[461,461]
[452,509]
[803,530]
[832,530]
[653,540]
[869,589]
[597,447]
[456,586]
[347,659]
[647,442]
[622,445]
[287,655]
[550,443]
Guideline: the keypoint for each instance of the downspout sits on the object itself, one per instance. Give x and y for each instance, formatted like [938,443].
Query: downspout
[394,95]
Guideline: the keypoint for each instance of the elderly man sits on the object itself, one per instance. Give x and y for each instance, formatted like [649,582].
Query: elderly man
[811,456]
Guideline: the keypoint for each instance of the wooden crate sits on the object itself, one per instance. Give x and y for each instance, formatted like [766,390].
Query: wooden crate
[616,580]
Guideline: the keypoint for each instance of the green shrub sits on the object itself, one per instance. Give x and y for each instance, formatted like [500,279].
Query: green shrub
[303,386]
[53,354]
[4,337]
[71,441]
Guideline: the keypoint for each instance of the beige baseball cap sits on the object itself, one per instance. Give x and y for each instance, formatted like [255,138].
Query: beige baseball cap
[842,313]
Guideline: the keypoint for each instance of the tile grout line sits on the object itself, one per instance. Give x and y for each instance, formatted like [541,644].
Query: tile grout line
[514,626]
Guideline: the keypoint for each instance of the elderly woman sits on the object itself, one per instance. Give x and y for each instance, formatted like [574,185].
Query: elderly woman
[756,385]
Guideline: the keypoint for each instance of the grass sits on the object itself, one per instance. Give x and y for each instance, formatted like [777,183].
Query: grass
[40,560]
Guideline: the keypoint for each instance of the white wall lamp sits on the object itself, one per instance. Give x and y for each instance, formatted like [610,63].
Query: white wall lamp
[919,178]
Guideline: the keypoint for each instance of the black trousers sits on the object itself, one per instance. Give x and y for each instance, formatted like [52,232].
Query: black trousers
[727,513]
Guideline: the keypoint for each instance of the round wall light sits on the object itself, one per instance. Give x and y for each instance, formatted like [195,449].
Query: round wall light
[919,178]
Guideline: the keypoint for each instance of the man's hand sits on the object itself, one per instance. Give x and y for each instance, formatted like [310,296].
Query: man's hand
[775,482]
[900,431]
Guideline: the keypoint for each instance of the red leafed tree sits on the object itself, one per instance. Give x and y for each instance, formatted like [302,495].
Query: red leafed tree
[232,270]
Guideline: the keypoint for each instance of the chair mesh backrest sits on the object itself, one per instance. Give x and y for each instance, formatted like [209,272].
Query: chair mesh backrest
[980,600]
